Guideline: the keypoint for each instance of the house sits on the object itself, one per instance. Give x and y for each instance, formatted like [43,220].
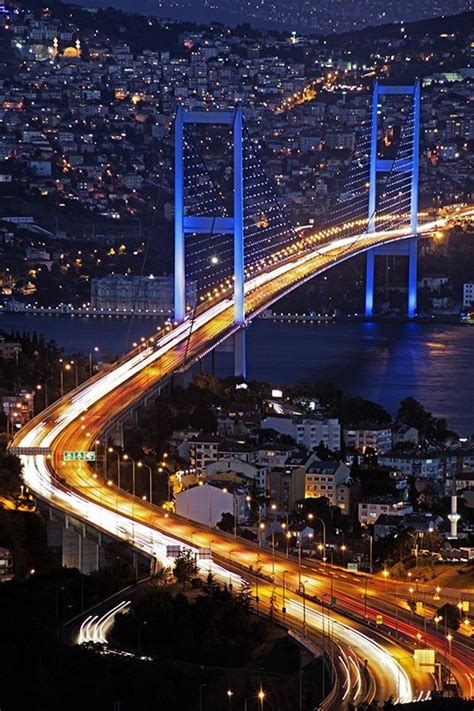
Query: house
[403,434]
[252,472]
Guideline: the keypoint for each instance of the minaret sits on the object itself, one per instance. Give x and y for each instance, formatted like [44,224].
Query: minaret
[454,516]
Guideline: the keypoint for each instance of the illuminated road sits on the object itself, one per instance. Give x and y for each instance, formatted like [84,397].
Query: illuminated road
[75,422]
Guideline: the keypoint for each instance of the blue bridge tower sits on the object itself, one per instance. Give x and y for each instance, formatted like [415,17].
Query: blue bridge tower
[406,247]
[199,224]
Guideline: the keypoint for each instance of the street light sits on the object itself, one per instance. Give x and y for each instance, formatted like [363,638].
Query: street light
[111,449]
[283,606]
[66,366]
[261,698]
[127,458]
[311,517]
[141,465]
[95,350]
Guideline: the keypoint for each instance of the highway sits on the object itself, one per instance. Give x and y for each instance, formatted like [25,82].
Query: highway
[75,422]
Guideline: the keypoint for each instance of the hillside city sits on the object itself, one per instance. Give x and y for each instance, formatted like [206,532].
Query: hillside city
[87,103]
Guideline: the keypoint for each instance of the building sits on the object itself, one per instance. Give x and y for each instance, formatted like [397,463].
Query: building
[323,479]
[388,524]
[252,472]
[430,465]
[9,350]
[306,431]
[378,437]
[369,511]
[206,503]
[348,497]
[403,434]
[132,294]
[6,565]
[202,451]
[468,294]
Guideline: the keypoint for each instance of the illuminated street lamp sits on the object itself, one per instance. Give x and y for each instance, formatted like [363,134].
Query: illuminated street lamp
[95,350]
[310,518]
[261,698]
[145,466]
[111,450]
[127,458]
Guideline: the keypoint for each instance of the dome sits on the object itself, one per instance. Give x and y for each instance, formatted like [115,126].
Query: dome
[71,53]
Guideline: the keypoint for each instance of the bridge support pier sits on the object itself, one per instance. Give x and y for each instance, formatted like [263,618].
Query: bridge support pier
[240,356]
[408,248]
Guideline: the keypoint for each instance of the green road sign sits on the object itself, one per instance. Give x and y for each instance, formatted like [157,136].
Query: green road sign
[79,456]
[378,620]
[352,566]
[333,600]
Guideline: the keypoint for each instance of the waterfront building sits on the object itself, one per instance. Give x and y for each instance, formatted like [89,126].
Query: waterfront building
[134,294]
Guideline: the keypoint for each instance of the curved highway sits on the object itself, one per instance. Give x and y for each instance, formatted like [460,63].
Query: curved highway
[76,421]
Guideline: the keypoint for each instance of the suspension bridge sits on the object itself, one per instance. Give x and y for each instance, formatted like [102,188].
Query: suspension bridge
[234,242]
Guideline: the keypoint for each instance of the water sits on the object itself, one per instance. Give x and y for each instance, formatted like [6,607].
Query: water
[384,362]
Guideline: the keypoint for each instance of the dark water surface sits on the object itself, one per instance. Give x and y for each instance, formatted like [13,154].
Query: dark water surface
[384,362]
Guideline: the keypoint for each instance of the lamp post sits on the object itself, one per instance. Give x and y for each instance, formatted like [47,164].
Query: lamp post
[95,350]
[299,560]
[302,588]
[145,466]
[66,366]
[283,606]
[311,517]
[127,458]
[110,450]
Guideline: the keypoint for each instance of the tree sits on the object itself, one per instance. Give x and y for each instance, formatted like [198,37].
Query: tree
[245,595]
[227,522]
[450,614]
[355,468]
[185,567]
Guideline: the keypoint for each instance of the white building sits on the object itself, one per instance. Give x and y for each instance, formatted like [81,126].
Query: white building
[308,431]
[369,511]
[135,293]
[206,503]
[376,436]
[468,294]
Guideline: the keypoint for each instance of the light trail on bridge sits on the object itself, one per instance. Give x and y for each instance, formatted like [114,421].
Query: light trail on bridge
[76,421]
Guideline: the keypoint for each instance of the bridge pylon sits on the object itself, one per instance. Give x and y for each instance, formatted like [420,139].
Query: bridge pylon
[407,247]
[200,224]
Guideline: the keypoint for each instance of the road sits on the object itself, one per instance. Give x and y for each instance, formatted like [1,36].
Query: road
[78,420]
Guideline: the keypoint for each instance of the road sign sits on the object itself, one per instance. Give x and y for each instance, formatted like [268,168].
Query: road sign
[173,551]
[204,554]
[79,456]
[425,660]
[333,600]
[352,566]
[378,620]
[465,605]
